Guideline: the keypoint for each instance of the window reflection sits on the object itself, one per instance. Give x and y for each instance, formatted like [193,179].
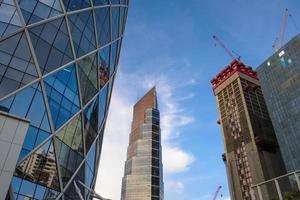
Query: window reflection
[9,19]
[87,69]
[104,70]
[62,93]
[83,33]
[103,25]
[91,123]
[36,176]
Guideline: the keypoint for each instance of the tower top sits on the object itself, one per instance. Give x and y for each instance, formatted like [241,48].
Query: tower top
[149,100]
[232,68]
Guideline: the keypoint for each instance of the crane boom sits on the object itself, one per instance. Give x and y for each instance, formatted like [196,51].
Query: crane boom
[283,28]
[217,192]
[219,42]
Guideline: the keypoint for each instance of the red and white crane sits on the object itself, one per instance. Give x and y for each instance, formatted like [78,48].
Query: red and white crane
[230,53]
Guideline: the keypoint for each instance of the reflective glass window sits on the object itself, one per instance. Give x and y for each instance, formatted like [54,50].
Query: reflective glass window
[115,14]
[104,69]
[103,25]
[37,174]
[115,2]
[83,33]
[52,45]
[102,104]
[37,10]
[91,123]
[69,160]
[100,2]
[114,51]
[87,70]
[16,65]
[71,134]
[9,18]
[71,5]
[29,104]
[71,192]
[62,93]
[90,165]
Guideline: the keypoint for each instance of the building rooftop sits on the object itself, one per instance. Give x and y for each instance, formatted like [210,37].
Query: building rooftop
[232,68]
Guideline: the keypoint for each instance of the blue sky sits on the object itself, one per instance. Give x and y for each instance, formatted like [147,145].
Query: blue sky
[169,44]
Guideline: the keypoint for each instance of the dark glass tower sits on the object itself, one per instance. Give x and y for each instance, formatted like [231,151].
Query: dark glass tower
[251,150]
[143,176]
[58,60]
[280,81]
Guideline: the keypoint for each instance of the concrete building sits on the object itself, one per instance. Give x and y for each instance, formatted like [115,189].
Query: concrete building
[280,81]
[251,149]
[58,60]
[143,175]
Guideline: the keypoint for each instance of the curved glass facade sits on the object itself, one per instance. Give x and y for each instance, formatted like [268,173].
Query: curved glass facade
[58,60]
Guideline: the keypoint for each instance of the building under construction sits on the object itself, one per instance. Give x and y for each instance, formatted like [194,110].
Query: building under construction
[251,154]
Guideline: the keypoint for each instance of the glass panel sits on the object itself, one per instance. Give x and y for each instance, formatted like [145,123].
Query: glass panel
[122,20]
[115,2]
[75,4]
[37,10]
[71,192]
[52,45]
[102,103]
[103,25]
[16,64]
[83,33]
[289,188]
[90,165]
[100,2]
[87,69]
[115,22]
[62,93]
[71,134]
[9,18]
[29,104]
[38,174]
[91,123]
[104,66]
[69,160]
[114,51]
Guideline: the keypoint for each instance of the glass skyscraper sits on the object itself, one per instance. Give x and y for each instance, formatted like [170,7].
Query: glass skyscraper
[143,175]
[58,60]
[280,81]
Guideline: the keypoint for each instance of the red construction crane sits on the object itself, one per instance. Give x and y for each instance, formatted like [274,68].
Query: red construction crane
[283,28]
[219,42]
[217,192]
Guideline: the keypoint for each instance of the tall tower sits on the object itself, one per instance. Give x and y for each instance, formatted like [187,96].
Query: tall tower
[143,175]
[280,81]
[58,60]
[251,150]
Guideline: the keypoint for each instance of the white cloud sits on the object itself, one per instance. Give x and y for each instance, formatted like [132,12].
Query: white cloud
[175,159]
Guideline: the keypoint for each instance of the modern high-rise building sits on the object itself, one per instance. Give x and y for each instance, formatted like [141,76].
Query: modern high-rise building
[58,60]
[280,81]
[143,175]
[251,149]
